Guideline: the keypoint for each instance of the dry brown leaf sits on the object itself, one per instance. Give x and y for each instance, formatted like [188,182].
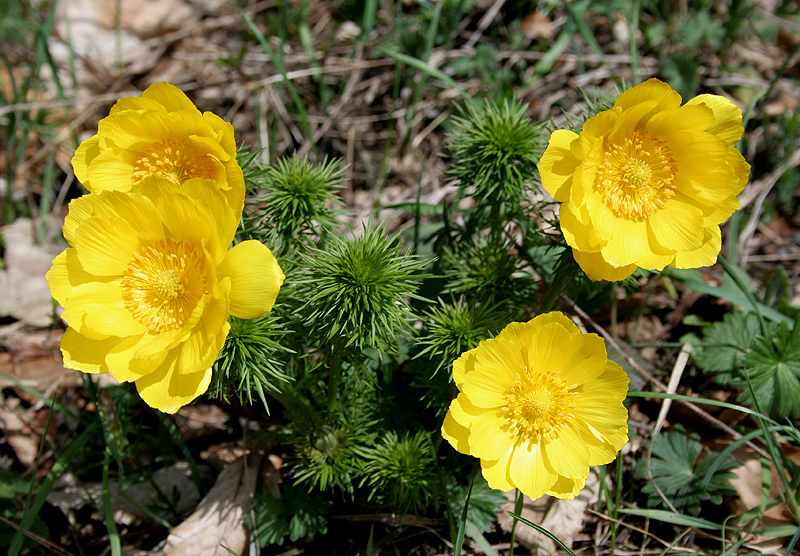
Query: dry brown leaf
[19,435]
[26,295]
[219,521]
[174,482]
[563,518]
[748,488]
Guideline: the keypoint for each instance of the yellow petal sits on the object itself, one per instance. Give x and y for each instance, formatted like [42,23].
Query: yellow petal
[455,434]
[84,353]
[498,362]
[80,209]
[548,347]
[111,171]
[649,90]
[461,366]
[727,117]
[105,246]
[496,473]
[612,381]
[528,471]
[676,227]
[705,255]
[100,307]
[463,411]
[558,164]
[487,440]
[135,130]
[200,350]
[601,410]
[168,391]
[255,277]
[697,152]
[168,96]
[58,277]
[596,267]
[628,245]
[87,151]
[567,489]
[539,321]
[135,103]
[567,455]
[586,360]
[208,194]
[695,118]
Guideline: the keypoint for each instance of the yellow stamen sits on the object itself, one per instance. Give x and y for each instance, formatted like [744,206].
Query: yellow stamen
[637,176]
[538,405]
[175,160]
[163,283]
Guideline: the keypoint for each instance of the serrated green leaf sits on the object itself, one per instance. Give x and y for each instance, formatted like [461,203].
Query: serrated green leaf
[773,366]
[684,482]
[725,343]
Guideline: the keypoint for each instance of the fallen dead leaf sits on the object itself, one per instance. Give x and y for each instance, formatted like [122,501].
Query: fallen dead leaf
[174,482]
[563,518]
[218,524]
[22,438]
[748,485]
[26,295]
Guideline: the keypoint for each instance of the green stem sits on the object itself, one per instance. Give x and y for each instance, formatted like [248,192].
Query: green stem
[518,499]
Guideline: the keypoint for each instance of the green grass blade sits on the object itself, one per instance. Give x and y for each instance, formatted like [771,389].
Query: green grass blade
[108,510]
[56,471]
[462,526]
[720,293]
[673,518]
[49,401]
[278,62]
[793,542]
[702,401]
[430,70]
[169,424]
[543,531]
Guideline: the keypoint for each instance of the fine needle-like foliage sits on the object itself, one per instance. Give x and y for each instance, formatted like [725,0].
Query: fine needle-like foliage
[401,472]
[357,291]
[494,150]
[252,361]
[294,200]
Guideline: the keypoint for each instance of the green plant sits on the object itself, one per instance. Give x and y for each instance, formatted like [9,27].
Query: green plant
[295,514]
[357,291]
[676,471]
[400,470]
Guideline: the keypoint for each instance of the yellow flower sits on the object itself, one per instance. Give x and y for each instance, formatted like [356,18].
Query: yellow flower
[160,133]
[538,404]
[647,183]
[149,282]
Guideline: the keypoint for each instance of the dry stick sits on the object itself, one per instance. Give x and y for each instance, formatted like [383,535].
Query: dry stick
[485,21]
[659,386]
[759,191]
[672,388]
[355,78]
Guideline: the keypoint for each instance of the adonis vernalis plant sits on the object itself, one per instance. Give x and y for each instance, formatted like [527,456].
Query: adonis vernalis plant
[160,133]
[647,183]
[538,404]
[148,285]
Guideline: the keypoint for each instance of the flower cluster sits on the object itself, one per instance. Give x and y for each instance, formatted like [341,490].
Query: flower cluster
[648,182]
[149,281]
[538,404]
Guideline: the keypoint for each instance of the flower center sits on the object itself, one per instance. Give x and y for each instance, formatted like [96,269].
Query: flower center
[538,405]
[636,178]
[163,283]
[175,160]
